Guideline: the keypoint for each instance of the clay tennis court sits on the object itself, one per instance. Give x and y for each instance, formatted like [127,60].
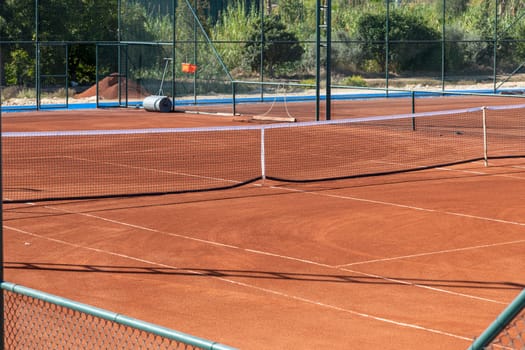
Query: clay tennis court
[423,259]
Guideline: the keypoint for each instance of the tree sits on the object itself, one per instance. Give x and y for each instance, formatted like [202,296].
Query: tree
[59,21]
[20,69]
[278,45]
[233,27]
[19,18]
[511,7]
[453,7]
[413,43]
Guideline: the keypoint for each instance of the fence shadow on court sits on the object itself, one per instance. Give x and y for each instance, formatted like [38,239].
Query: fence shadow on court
[41,210]
[262,275]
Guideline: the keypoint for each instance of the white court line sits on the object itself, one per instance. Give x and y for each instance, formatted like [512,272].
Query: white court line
[508,176]
[463,170]
[43,157]
[387,279]
[446,251]
[143,228]
[404,206]
[423,167]
[440,290]
[154,170]
[251,286]
[339,267]
[303,260]
[343,267]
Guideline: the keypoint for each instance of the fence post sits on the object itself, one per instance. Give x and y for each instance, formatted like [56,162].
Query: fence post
[2,321]
[485,146]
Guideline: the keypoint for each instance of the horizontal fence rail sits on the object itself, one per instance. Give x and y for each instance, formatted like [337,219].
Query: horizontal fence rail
[37,320]
[507,331]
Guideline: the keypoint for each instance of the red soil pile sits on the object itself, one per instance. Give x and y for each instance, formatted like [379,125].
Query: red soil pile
[108,89]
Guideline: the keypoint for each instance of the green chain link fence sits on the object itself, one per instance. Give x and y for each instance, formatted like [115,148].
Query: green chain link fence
[37,320]
[507,331]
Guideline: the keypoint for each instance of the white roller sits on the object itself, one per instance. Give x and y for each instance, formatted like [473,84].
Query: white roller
[155,103]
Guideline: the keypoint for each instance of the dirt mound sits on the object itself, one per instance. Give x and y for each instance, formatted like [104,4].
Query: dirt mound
[108,89]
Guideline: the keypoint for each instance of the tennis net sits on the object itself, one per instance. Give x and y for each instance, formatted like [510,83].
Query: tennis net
[60,165]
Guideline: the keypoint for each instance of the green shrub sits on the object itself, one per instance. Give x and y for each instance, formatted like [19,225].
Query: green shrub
[10,92]
[406,35]
[308,81]
[20,69]
[354,80]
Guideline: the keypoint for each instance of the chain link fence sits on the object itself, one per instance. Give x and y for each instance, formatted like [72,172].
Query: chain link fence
[58,49]
[507,331]
[35,320]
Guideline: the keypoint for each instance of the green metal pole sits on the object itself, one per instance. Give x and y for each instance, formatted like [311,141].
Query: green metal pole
[209,42]
[96,74]
[318,60]
[118,56]
[261,66]
[387,45]
[2,301]
[173,51]
[67,76]
[37,57]
[328,99]
[443,45]
[517,19]
[119,25]
[126,75]
[119,74]
[501,321]
[495,49]
[195,48]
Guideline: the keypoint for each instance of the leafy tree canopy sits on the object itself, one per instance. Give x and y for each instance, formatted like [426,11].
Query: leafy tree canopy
[403,31]
[277,44]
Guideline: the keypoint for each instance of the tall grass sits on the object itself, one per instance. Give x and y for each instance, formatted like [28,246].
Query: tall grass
[231,33]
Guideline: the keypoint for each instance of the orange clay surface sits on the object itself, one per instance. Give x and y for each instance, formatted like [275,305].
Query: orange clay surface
[422,260]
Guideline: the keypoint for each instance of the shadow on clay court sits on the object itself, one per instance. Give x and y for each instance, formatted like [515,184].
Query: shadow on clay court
[40,209]
[266,275]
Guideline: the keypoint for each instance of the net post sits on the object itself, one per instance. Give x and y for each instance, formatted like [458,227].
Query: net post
[413,98]
[263,156]
[485,146]
[234,86]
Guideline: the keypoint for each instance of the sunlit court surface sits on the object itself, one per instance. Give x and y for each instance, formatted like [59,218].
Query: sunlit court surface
[423,259]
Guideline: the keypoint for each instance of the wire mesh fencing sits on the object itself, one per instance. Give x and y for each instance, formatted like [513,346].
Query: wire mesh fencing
[36,320]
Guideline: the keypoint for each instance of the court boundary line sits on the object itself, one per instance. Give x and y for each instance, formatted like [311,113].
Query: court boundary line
[337,267]
[342,266]
[445,251]
[406,206]
[251,286]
